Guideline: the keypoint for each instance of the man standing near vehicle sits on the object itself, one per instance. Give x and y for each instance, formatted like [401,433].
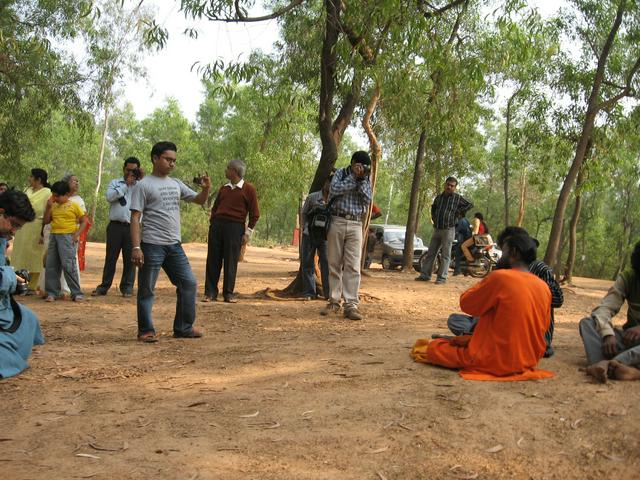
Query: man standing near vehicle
[118,231]
[447,207]
[156,242]
[351,194]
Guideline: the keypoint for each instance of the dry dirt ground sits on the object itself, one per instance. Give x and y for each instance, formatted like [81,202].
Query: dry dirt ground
[276,391]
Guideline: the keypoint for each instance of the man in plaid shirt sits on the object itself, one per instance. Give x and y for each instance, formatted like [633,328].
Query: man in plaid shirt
[351,194]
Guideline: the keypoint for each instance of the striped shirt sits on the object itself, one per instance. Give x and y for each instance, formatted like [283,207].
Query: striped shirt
[544,273]
[352,197]
[446,209]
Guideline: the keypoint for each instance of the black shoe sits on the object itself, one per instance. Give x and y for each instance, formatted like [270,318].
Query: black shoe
[230,299]
[98,293]
[549,352]
[420,278]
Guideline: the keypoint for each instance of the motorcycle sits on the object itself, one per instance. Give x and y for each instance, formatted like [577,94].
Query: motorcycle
[485,260]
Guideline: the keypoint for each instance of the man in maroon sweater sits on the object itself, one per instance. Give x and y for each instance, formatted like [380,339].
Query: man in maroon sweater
[227,232]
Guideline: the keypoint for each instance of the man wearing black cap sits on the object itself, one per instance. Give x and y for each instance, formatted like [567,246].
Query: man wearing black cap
[350,194]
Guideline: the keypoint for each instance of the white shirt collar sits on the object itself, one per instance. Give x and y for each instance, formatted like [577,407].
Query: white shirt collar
[237,185]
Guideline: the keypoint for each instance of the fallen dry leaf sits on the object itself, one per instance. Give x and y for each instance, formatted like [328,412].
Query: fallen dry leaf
[381,476]
[196,404]
[458,472]
[577,422]
[250,415]
[495,449]
[96,446]
[87,455]
[379,450]
[519,442]
[614,458]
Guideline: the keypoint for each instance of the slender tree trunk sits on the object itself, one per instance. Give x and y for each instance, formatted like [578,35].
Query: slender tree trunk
[376,156]
[593,107]
[103,142]
[571,257]
[626,230]
[523,197]
[412,220]
[506,163]
[386,216]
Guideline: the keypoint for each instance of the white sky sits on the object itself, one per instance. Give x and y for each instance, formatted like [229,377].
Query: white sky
[169,71]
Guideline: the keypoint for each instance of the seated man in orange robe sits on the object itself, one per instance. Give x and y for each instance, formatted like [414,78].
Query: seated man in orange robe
[514,307]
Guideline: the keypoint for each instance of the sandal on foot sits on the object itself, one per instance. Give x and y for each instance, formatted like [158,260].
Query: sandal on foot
[50,298]
[148,337]
[193,333]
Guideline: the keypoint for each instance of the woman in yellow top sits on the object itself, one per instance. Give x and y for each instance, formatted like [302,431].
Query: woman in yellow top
[64,217]
[28,246]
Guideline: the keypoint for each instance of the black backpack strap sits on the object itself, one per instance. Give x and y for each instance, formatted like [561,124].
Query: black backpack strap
[17,317]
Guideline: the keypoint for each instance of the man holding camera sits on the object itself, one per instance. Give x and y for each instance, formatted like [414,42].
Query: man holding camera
[156,243]
[235,201]
[19,327]
[118,231]
[351,194]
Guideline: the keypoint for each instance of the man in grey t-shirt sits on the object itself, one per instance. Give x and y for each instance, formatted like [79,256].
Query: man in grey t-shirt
[156,242]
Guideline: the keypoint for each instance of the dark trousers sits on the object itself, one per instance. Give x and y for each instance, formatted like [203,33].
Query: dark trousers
[309,248]
[118,239]
[225,240]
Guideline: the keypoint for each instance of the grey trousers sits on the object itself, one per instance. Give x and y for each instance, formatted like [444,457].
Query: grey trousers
[593,345]
[441,239]
[61,256]
[344,242]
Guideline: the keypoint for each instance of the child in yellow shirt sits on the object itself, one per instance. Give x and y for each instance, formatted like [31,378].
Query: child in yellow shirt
[64,217]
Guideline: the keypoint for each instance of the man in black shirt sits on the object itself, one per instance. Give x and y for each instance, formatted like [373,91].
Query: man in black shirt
[445,210]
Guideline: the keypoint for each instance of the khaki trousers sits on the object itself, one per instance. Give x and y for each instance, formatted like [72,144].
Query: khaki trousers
[344,246]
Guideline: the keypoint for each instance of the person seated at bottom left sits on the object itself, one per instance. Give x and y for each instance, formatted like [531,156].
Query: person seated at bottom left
[508,341]
[19,327]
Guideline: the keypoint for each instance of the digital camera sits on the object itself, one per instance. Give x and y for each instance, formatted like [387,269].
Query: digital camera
[21,288]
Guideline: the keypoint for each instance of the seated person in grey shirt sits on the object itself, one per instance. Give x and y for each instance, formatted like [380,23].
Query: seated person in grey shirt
[614,352]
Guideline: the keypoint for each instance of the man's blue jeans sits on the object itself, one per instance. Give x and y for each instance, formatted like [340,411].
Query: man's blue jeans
[309,248]
[174,262]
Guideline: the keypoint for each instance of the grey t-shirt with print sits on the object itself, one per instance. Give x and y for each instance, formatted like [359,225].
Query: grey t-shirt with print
[158,198]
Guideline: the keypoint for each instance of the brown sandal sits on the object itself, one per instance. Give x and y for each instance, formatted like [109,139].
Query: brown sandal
[148,337]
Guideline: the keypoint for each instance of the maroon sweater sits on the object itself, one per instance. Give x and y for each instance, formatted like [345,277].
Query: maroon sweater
[235,204]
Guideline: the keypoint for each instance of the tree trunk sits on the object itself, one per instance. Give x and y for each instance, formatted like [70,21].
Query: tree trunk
[376,156]
[593,107]
[331,131]
[571,258]
[103,141]
[506,163]
[412,217]
[523,197]
[626,229]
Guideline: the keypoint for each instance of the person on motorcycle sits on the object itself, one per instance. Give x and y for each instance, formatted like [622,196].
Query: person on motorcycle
[614,352]
[463,232]
[480,236]
[461,324]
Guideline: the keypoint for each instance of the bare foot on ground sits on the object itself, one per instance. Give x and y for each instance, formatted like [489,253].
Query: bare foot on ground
[620,371]
[599,371]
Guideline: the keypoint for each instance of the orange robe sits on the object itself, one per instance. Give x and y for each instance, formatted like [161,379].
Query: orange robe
[514,309]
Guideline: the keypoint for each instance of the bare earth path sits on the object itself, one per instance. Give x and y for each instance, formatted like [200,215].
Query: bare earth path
[275,391]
